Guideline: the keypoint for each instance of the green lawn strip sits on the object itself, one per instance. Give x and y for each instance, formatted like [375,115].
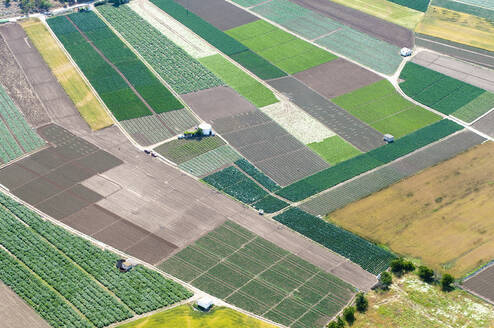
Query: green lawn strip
[477,107]
[334,149]
[257,175]
[420,5]
[242,82]
[357,165]
[281,48]
[182,150]
[270,204]
[366,254]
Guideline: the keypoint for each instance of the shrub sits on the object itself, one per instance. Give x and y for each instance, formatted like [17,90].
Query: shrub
[349,314]
[399,266]
[426,274]
[447,281]
[361,302]
[386,279]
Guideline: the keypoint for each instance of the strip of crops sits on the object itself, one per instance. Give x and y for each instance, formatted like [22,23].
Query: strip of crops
[46,302]
[50,265]
[220,40]
[112,88]
[270,204]
[465,8]
[420,5]
[173,64]
[236,184]
[343,171]
[257,175]
[141,289]
[368,255]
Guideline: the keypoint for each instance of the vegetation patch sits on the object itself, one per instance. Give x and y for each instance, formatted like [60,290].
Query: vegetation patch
[445,204]
[420,5]
[467,8]
[270,204]
[475,108]
[243,83]
[281,48]
[257,175]
[366,254]
[334,149]
[182,150]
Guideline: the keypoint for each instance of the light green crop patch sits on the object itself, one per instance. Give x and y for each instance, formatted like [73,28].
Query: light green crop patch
[240,81]
[477,107]
[281,48]
[334,149]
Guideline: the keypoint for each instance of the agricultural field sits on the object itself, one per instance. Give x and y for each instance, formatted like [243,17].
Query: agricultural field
[182,150]
[257,175]
[458,27]
[247,271]
[17,137]
[284,50]
[445,204]
[240,81]
[369,256]
[383,108]
[444,93]
[182,72]
[386,10]
[413,303]
[85,277]
[420,5]
[270,204]
[185,316]
[362,163]
[76,88]
[475,8]
[210,161]
[334,149]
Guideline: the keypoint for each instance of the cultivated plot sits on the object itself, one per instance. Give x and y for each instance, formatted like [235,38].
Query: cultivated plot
[179,151]
[334,149]
[482,284]
[251,273]
[420,5]
[210,161]
[468,7]
[486,124]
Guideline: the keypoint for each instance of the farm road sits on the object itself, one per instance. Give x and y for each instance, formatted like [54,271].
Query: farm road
[173,206]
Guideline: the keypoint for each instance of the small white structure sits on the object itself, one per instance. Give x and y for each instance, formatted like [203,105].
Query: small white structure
[205,128]
[405,52]
[389,138]
[126,265]
[205,304]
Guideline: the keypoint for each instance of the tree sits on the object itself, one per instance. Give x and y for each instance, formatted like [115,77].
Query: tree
[349,315]
[340,323]
[333,324]
[361,303]
[447,281]
[386,279]
[398,266]
[426,274]
[409,266]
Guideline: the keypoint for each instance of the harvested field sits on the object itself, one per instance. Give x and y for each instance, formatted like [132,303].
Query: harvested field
[281,48]
[481,284]
[219,13]
[386,10]
[77,89]
[173,30]
[179,151]
[297,122]
[337,78]
[458,27]
[384,109]
[334,149]
[486,124]
[452,198]
[363,186]
[240,81]
[336,119]
[253,274]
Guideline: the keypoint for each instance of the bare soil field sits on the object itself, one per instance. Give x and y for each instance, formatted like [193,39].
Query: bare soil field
[482,284]
[441,216]
[337,78]
[486,124]
[15,313]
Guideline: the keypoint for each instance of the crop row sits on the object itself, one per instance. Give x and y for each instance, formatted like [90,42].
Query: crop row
[45,301]
[236,184]
[141,289]
[466,8]
[182,150]
[50,265]
[270,204]
[257,175]
[368,255]
[357,165]
[420,5]
[173,64]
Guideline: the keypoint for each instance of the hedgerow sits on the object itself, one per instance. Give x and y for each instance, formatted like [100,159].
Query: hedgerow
[257,175]
[270,204]
[368,255]
[141,289]
[343,171]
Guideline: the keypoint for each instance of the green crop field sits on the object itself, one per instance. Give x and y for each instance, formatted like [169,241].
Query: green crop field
[334,149]
[242,82]
[210,161]
[355,166]
[281,48]
[270,204]
[234,264]
[49,257]
[477,107]
[182,150]
[438,91]
[257,175]
[380,106]
[115,92]
[420,5]
[366,254]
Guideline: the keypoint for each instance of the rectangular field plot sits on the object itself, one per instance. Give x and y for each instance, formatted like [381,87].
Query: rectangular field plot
[472,7]
[482,284]
[179,151]
[279,47]
[420,5]
[437,90]
[380,106]
[212,160]
[334,149]
[259,277]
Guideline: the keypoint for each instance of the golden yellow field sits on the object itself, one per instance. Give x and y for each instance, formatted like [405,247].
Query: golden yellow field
[458,27]
[443,216]
[77,89]
[386,10]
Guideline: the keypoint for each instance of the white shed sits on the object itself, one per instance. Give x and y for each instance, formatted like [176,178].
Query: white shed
[205,128]
[389,138]
[205,303]
[405,52]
